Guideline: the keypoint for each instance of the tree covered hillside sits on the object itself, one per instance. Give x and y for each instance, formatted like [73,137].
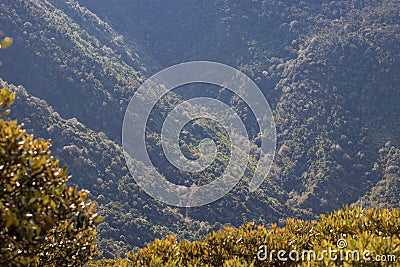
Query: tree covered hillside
[329,69]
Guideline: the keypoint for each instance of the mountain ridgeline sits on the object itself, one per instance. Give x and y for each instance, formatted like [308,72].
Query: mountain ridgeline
[330,71]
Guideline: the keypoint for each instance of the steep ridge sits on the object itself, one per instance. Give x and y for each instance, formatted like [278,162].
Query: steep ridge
[338,108]
[92,72]
[132,218]
[329,69]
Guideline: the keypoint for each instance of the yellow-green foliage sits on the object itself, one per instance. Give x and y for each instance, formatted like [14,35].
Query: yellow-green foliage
[108,263]
[377,231]
[6,42]
[43,222]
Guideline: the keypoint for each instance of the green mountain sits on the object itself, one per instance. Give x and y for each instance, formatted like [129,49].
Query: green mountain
[329,71]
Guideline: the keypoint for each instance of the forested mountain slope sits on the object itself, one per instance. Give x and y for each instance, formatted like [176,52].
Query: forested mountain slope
[330,71]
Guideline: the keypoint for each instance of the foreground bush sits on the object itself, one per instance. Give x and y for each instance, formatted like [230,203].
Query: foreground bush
[344,231]
[43,222]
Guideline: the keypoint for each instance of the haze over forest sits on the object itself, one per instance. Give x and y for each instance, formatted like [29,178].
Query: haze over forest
[330,71]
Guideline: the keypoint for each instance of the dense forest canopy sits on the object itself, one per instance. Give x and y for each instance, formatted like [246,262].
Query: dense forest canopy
[329,70]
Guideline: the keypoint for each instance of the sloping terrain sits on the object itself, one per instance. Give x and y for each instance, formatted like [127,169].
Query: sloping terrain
[329,70]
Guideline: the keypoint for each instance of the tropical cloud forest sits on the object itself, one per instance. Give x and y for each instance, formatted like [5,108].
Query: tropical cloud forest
[89,178]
